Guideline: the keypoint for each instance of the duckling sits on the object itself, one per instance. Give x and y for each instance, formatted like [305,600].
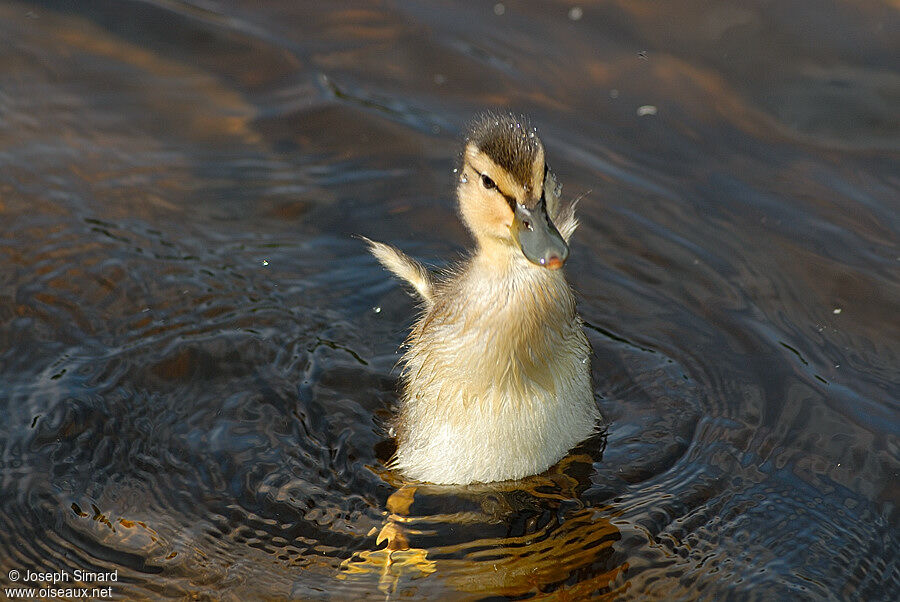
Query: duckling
[496,377]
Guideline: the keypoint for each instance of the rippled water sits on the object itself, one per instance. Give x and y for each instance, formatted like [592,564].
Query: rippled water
[196,357]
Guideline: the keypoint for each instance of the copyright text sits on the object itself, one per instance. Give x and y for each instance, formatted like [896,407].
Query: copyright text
[61,584]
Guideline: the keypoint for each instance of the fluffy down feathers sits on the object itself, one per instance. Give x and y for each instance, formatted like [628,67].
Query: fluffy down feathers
[496,376]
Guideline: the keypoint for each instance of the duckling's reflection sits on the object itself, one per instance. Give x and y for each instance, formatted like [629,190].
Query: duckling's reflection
[507,538]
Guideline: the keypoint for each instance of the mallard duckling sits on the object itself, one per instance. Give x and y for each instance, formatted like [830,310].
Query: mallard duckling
[496,378]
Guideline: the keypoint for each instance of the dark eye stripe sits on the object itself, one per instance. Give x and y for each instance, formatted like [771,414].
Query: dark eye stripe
[489,184]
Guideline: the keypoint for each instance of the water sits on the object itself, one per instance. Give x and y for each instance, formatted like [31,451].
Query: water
[196,357]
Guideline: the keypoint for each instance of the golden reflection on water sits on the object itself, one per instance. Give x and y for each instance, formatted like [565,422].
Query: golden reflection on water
[539,561]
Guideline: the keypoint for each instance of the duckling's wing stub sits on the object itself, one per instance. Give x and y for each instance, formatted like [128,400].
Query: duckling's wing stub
[403,266]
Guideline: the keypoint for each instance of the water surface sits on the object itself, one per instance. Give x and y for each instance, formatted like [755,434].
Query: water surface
[197,358]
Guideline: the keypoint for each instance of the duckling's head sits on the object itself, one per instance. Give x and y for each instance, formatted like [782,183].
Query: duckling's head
[502,196]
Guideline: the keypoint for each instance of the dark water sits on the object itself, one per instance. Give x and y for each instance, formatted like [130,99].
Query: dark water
[196,357]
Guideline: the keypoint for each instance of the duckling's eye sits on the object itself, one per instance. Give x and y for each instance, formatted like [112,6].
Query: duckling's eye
[487,182]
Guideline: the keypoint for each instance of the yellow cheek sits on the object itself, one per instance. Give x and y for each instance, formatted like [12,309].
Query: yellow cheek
[499,211]
[485,212]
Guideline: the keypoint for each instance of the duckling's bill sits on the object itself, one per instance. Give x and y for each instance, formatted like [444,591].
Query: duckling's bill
[538,237]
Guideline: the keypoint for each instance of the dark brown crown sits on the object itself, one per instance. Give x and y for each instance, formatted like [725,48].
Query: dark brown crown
[509,140]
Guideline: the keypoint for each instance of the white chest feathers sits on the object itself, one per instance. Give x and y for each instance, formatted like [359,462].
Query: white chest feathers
[496,380]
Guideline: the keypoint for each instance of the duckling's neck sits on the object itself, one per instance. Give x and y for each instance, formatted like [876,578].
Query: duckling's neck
[504,281]
[499,253]
[505,259]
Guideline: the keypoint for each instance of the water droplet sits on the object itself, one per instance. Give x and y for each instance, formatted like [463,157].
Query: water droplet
[455,170]
[463,178]
[376,309]
[575,13]
[265,262]
[614,93]
[499,9]
[837,310]
[531,134]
